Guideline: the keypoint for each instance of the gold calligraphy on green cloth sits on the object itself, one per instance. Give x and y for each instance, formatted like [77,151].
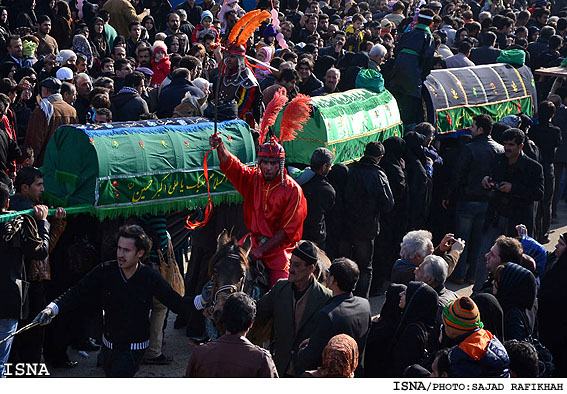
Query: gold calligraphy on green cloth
[458,118]
[162,187]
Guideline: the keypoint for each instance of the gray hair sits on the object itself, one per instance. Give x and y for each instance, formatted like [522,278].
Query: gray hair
[437,268]
[81,76]
[378,50]
[416,242]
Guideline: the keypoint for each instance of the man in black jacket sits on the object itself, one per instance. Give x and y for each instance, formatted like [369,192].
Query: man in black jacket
[175,91]
[320,197]
[367,195]
[20,237]
[128,104]
[343,314]
[471,198]
[516,182]
[125,288]
[486,53]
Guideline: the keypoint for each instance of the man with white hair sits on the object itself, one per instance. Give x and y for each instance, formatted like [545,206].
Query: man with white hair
[416,246]
[433,271]
[332,79]
[376,55]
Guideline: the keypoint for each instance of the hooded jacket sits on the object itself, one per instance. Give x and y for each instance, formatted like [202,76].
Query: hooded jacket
[479,354]
[128,106]
[517,289]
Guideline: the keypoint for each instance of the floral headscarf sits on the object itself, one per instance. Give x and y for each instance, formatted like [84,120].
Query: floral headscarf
[340,357]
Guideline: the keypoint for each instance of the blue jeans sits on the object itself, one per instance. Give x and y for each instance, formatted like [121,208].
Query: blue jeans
[470,218]
[7,327]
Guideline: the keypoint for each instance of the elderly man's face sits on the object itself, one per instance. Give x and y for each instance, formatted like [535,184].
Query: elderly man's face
[84,87]
[332,79]
[299,270]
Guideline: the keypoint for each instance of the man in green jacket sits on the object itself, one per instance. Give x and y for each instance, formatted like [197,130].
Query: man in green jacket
[293,305]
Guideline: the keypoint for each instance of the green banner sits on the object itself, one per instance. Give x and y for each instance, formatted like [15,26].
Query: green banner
[459,118]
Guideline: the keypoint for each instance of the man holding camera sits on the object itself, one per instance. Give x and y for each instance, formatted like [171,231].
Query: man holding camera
[515,182]
[470,197]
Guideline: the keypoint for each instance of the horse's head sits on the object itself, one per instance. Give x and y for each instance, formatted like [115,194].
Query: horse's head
[227,268]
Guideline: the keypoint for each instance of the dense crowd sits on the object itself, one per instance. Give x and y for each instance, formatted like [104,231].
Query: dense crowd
[487,198]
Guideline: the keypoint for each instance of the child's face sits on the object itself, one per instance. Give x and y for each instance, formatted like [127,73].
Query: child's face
[271,39]
[29,161]
[207,22]
[159,55]
[261,56]
[357,25]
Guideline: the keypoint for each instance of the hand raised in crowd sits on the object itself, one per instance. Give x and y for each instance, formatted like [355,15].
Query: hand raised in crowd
[447,242]
[215,140]
[522,229]
[458,245]
[40,212]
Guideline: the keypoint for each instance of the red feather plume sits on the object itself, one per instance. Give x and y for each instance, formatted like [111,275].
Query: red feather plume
[296,114]
[249,29]
[272,110]
[240,24]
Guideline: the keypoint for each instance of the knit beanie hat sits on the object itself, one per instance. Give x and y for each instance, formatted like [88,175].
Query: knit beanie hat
[159,45]
[66,54]
[207,14]
[306,251]
[462,314]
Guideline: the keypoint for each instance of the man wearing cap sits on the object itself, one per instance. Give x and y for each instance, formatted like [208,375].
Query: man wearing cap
[239,84]
[293,305]
[367,195]
[51,113]
[274,205]
[477,353]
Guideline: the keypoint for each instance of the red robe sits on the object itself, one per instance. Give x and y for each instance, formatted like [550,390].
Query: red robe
[269,207]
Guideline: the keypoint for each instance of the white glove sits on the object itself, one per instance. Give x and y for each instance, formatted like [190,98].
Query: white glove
[45,316]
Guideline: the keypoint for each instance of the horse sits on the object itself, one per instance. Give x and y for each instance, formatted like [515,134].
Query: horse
[228,270]
[231,271]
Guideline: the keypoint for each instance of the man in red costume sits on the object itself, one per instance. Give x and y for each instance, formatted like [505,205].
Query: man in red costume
[274,206]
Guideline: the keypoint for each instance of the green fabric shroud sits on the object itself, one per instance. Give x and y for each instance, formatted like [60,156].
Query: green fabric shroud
[517,57]
[134,168]
[344,123]
[454,96]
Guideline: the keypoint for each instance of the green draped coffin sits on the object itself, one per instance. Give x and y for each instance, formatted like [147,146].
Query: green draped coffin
[344,123]
[126,168]
[454,96]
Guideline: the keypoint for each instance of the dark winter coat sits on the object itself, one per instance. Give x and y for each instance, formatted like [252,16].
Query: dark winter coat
[320,197]
[127,106]
[367,195]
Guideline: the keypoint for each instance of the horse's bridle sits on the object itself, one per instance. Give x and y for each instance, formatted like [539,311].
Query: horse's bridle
[230,288]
